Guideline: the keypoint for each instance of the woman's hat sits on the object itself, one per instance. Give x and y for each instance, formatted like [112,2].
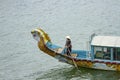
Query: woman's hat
[67,37]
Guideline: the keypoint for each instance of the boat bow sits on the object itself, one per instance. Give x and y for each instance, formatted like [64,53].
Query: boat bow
[44,41]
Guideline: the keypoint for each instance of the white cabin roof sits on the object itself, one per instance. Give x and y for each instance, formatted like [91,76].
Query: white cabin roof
[108,41]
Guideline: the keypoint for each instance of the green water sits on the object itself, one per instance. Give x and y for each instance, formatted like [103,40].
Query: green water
[81,74]
[20,58]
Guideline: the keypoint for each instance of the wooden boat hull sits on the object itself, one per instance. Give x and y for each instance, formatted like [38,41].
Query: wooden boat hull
[89,63]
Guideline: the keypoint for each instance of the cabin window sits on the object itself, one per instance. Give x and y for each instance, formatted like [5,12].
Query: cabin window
[98,52]
[116,54]
[107,53]
[102,53]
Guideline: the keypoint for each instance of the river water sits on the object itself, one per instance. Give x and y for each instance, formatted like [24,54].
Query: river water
[20,58]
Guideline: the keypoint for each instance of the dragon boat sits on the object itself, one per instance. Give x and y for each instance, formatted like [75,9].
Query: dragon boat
[104,53]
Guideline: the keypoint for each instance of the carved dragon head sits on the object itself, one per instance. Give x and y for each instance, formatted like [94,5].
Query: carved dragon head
[39,33]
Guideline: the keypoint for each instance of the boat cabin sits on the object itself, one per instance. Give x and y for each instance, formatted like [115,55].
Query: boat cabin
[105,48]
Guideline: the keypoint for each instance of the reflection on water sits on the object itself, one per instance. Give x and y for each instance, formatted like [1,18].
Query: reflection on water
[81,74]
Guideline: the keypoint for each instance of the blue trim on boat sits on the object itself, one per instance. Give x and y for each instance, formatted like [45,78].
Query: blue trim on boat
[52,46]
[80,53]
[92,52]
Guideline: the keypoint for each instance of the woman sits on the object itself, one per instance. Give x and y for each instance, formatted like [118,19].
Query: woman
[68,45]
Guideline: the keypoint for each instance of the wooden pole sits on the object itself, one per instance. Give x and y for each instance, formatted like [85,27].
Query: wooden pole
[73,60]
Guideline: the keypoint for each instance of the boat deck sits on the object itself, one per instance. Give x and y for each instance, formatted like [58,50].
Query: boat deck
[79,54]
